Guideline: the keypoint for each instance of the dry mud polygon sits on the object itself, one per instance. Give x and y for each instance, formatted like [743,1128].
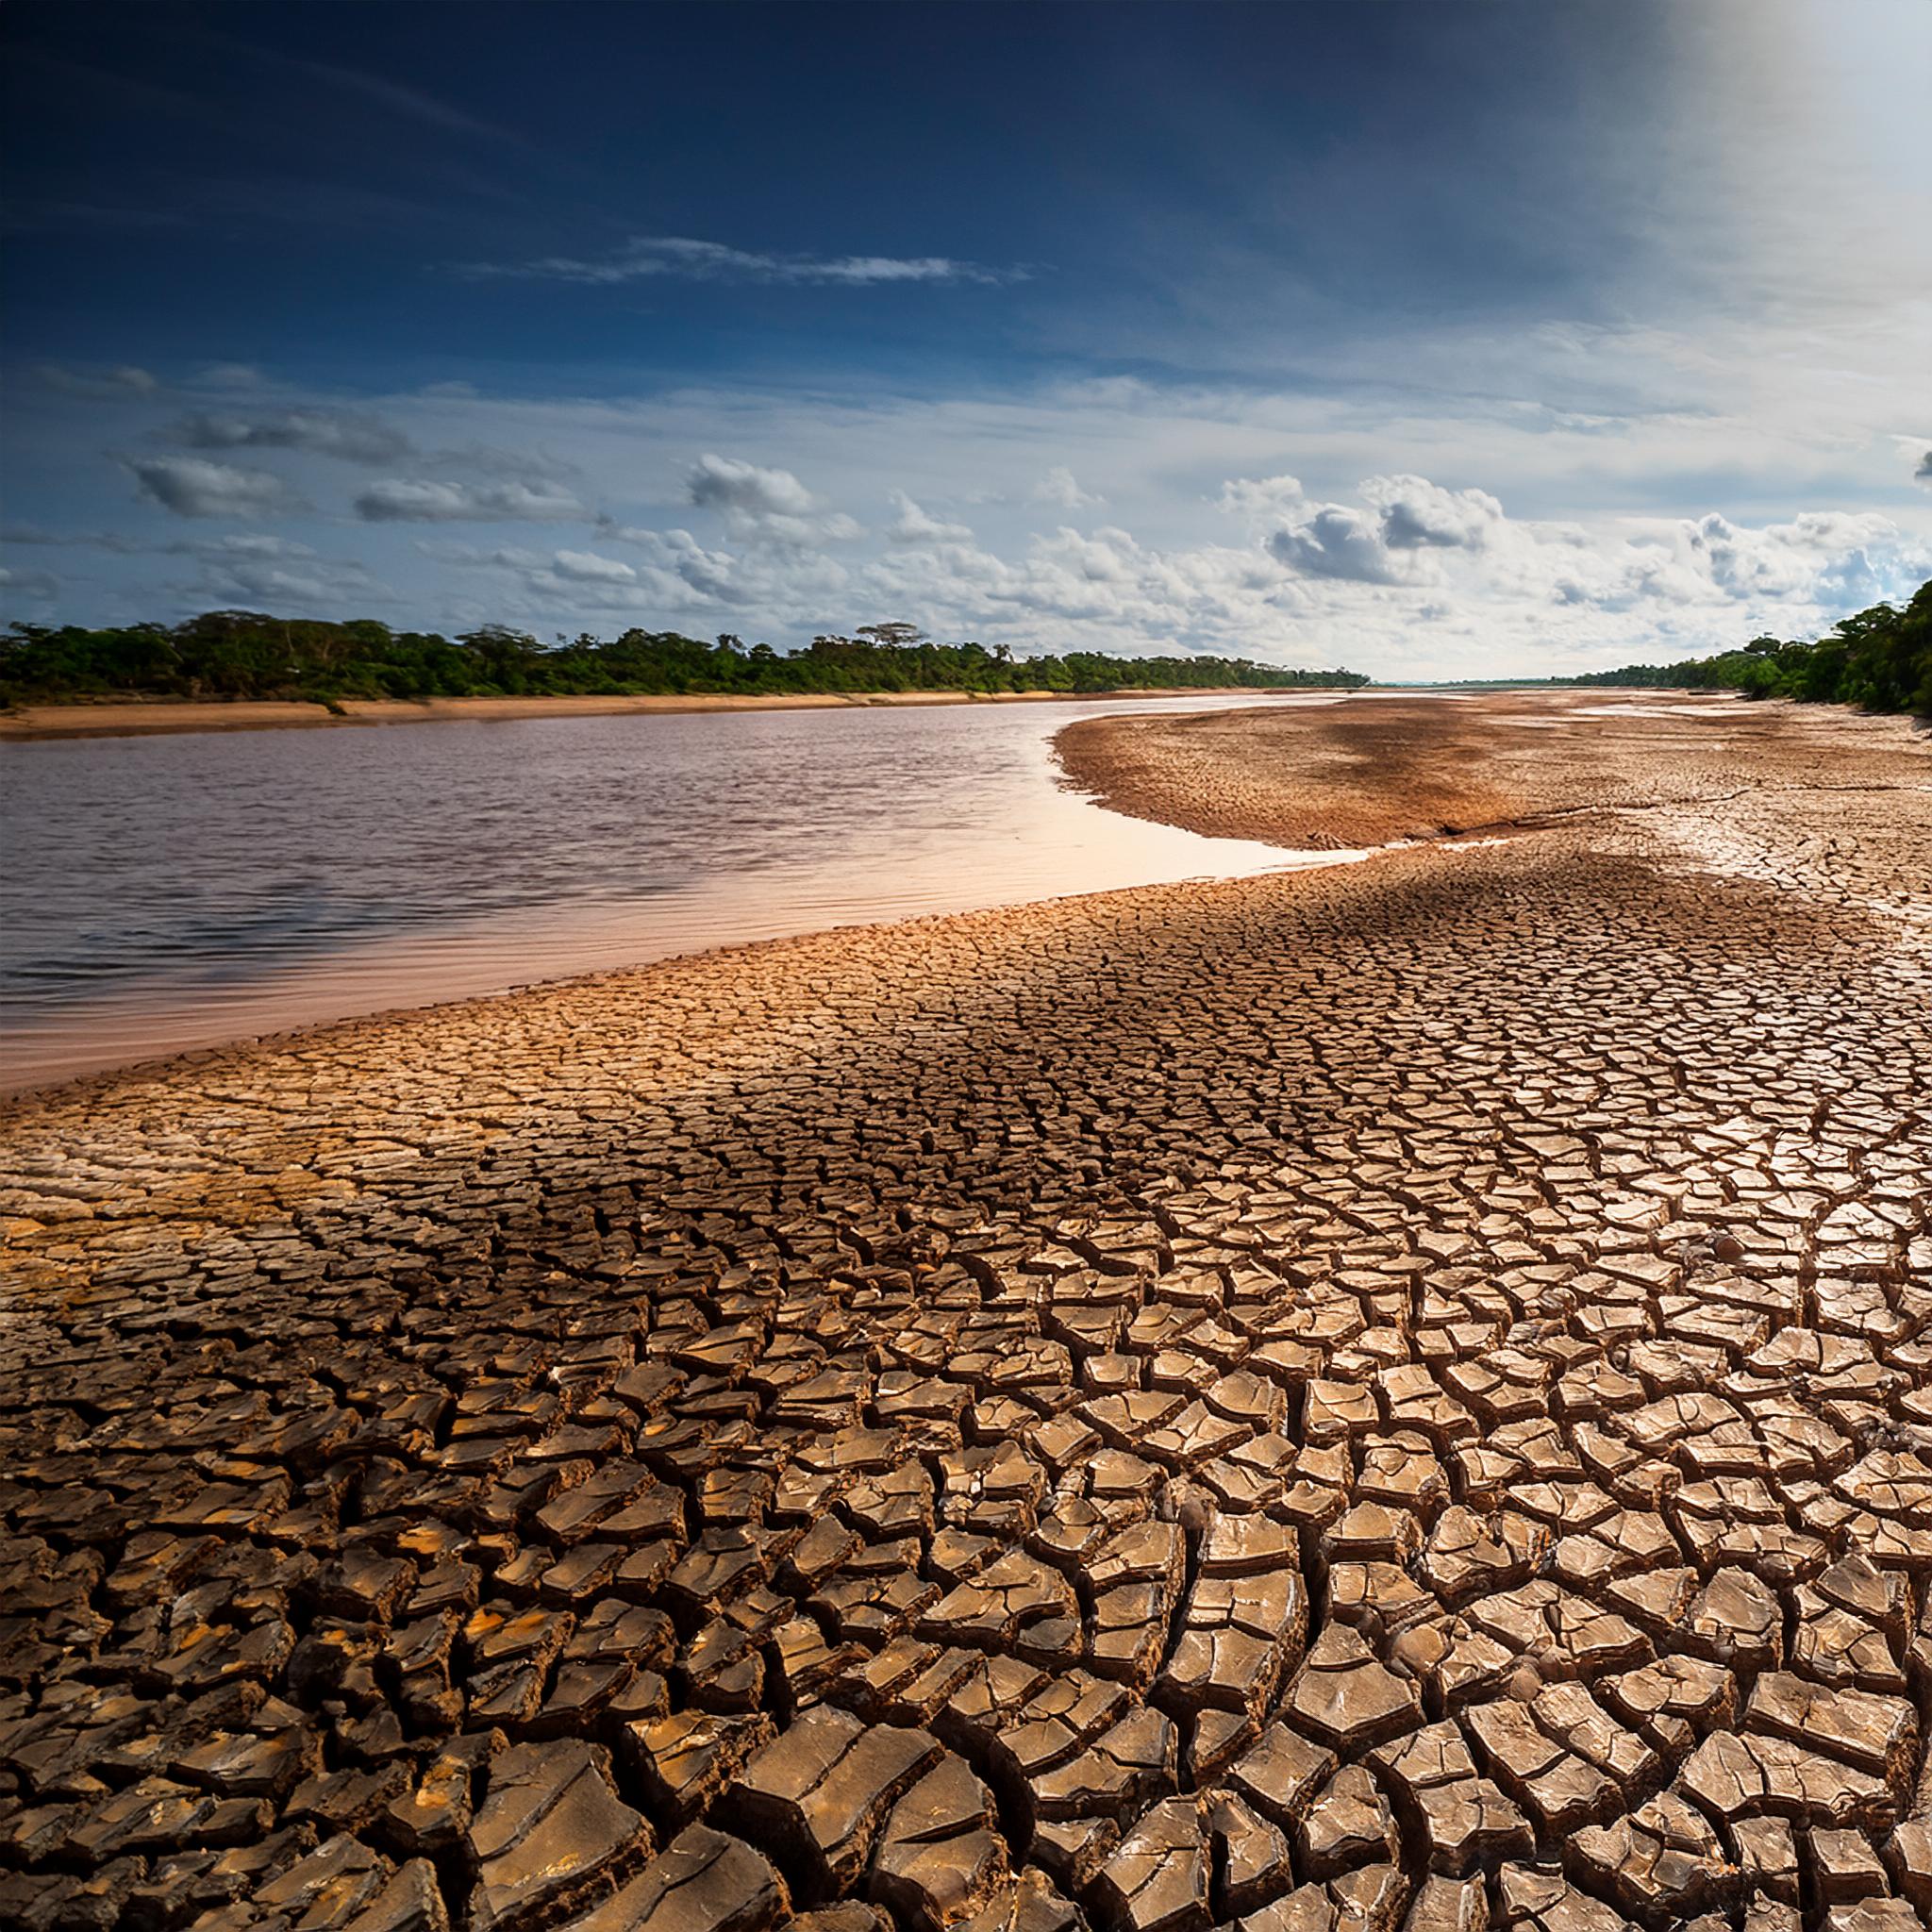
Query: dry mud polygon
[1399,1396]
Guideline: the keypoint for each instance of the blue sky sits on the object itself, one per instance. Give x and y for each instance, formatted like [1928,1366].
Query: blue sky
[1433,339]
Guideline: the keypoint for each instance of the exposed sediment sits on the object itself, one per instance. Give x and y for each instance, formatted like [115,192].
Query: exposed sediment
[137,716]
[1393,1396]
[1372,769]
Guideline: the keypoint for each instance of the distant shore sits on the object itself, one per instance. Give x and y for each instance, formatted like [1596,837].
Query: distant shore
[123,718]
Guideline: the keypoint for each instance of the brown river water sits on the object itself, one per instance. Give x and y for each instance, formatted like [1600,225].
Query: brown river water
[169,892]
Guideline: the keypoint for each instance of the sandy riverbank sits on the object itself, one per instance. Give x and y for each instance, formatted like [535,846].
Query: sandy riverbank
[135,719]
[1411,766]
[1403,1386]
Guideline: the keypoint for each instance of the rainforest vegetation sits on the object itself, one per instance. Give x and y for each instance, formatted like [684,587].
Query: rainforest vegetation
[242,654]
[1881,659]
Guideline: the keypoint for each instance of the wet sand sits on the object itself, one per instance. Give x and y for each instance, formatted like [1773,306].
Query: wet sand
[1392,1396]
[116,720]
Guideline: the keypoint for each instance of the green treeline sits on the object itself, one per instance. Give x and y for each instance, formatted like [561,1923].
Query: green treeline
[1881,659]
[242,653]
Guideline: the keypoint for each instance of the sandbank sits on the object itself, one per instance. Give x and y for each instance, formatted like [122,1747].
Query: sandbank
[128,719]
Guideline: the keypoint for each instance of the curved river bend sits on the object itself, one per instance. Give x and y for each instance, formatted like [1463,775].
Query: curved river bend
[167,892]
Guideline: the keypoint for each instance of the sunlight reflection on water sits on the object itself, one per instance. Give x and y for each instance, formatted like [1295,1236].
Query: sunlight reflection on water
[169,892]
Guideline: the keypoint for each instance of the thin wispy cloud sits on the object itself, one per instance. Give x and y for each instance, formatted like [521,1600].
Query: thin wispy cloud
[25,215]
[102,383]
[396,97]
[646,258]
[350,436]
[35,584]
[412,103]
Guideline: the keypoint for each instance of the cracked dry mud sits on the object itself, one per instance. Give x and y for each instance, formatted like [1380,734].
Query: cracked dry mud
[1396,1396]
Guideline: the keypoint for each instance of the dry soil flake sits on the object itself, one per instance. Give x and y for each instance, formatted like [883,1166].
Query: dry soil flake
[550,1833]
[1392,1400]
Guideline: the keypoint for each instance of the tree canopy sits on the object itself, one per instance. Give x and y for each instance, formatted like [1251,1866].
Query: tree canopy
[246,654]
[1881,659]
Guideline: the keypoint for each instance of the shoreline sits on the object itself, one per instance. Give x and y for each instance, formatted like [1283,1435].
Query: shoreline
[391,1020]
[1460,1282]
[1195,772]
[435,1004]
[144,717]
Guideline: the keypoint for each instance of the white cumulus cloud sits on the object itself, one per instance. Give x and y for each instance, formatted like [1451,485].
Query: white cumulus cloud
[914,524]
[1330,539]
[1058,486]
[1385,542]
[764,506]
[586,566]
[193,486]
[726,483]
[418,501]
[1417,514]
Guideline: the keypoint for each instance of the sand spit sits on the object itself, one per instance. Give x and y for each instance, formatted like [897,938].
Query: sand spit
[1398,1395]
[139,719]
[1405,766]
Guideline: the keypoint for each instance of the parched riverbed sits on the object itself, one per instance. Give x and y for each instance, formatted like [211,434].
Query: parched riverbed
[1398,1395]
